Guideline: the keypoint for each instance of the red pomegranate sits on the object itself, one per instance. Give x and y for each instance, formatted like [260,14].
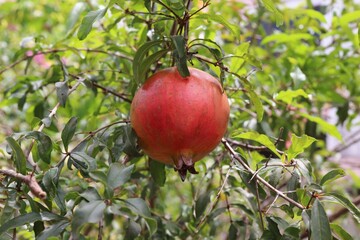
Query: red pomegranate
[180,120]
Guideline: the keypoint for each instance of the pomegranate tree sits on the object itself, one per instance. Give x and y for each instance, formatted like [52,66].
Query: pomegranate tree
[179,120]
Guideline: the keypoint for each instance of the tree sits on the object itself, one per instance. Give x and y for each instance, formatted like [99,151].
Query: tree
[70,164]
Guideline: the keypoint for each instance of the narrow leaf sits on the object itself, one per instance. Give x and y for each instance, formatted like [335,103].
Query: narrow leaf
[88,21]
[118,175]
[201,204]
[340,232]
[320,227]
[54,230]
[18,155]
[325,126]
[254,98]
[354,210]
[270,6]
[44,146]
[68,132]
[219,19]
[157,171]
[180,56]
[147,62]
[332,175]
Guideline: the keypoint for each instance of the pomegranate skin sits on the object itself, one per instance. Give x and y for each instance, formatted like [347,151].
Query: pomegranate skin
[179,120]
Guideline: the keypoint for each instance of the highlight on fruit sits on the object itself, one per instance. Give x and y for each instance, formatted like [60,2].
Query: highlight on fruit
[179,120]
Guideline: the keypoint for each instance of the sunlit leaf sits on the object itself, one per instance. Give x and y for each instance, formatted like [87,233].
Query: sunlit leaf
[288,95]
[325,126]
[332,175]
[298,145]
[270,6]
[260,138]
[88,21]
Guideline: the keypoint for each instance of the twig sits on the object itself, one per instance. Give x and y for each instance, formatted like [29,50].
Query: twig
[215,200]
[49,51]
[28,180]
[260,179]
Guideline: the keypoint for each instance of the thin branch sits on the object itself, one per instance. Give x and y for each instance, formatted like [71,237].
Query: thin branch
[28,180]
[260,179]
[50,51]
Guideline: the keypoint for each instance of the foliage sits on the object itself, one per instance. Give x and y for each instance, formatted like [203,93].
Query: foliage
[70,165]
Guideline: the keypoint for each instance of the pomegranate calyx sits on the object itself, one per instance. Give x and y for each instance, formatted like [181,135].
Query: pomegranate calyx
[184,169]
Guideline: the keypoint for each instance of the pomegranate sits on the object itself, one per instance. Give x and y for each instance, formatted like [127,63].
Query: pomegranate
[180,120]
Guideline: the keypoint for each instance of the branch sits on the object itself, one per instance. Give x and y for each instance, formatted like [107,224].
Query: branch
[49,51]
[260,179]
[28,180]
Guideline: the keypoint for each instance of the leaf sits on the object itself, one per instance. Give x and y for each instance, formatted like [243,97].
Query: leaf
[87,212]
[270,6]
[332,175]
[298,145]
[219,19]
[28,218]
[286,38]
[157,171]
[138,206]
[314,14]
[340,232]
[325,126]
[180,56]
[86,162]
[305,168]
[62,91]
[201,204]
[18,155]
[354,210]
[54,230]
[146,64]
[133,230]
[254,98]
[118,175]
[88,21]
[130,142]
[139,58]
[288,95]
[74,15]
[232,235]
[251,185]
[44,145]
[292,185]
[320,227]
[346,18]
[68,132]
[260,138]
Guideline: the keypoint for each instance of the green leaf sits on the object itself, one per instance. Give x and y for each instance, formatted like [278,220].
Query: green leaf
[314,14]
[332,175]
[18,155]
[325,126]
[118,175]
[157,171]
[180,56]
[139,58]
[340,232]
[88,21]
[138,206]
[251,184]
[260,138]
[218,19]
[270,6]
[130,142]
[292,185]
[254,98]
[354,210]
[54,230]
[305,169]
[201,204]
[298,145]
[133,230]
[288,95]
[286,38]
[44,145]
[86,162]
[352,16]
[232,235]
[74,15]
[320,227]
[68,132]
[147,62]
[87,212]
[28,218]
[62,91]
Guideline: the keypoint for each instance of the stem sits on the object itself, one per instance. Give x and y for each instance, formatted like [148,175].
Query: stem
[28,180]
[260,179]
